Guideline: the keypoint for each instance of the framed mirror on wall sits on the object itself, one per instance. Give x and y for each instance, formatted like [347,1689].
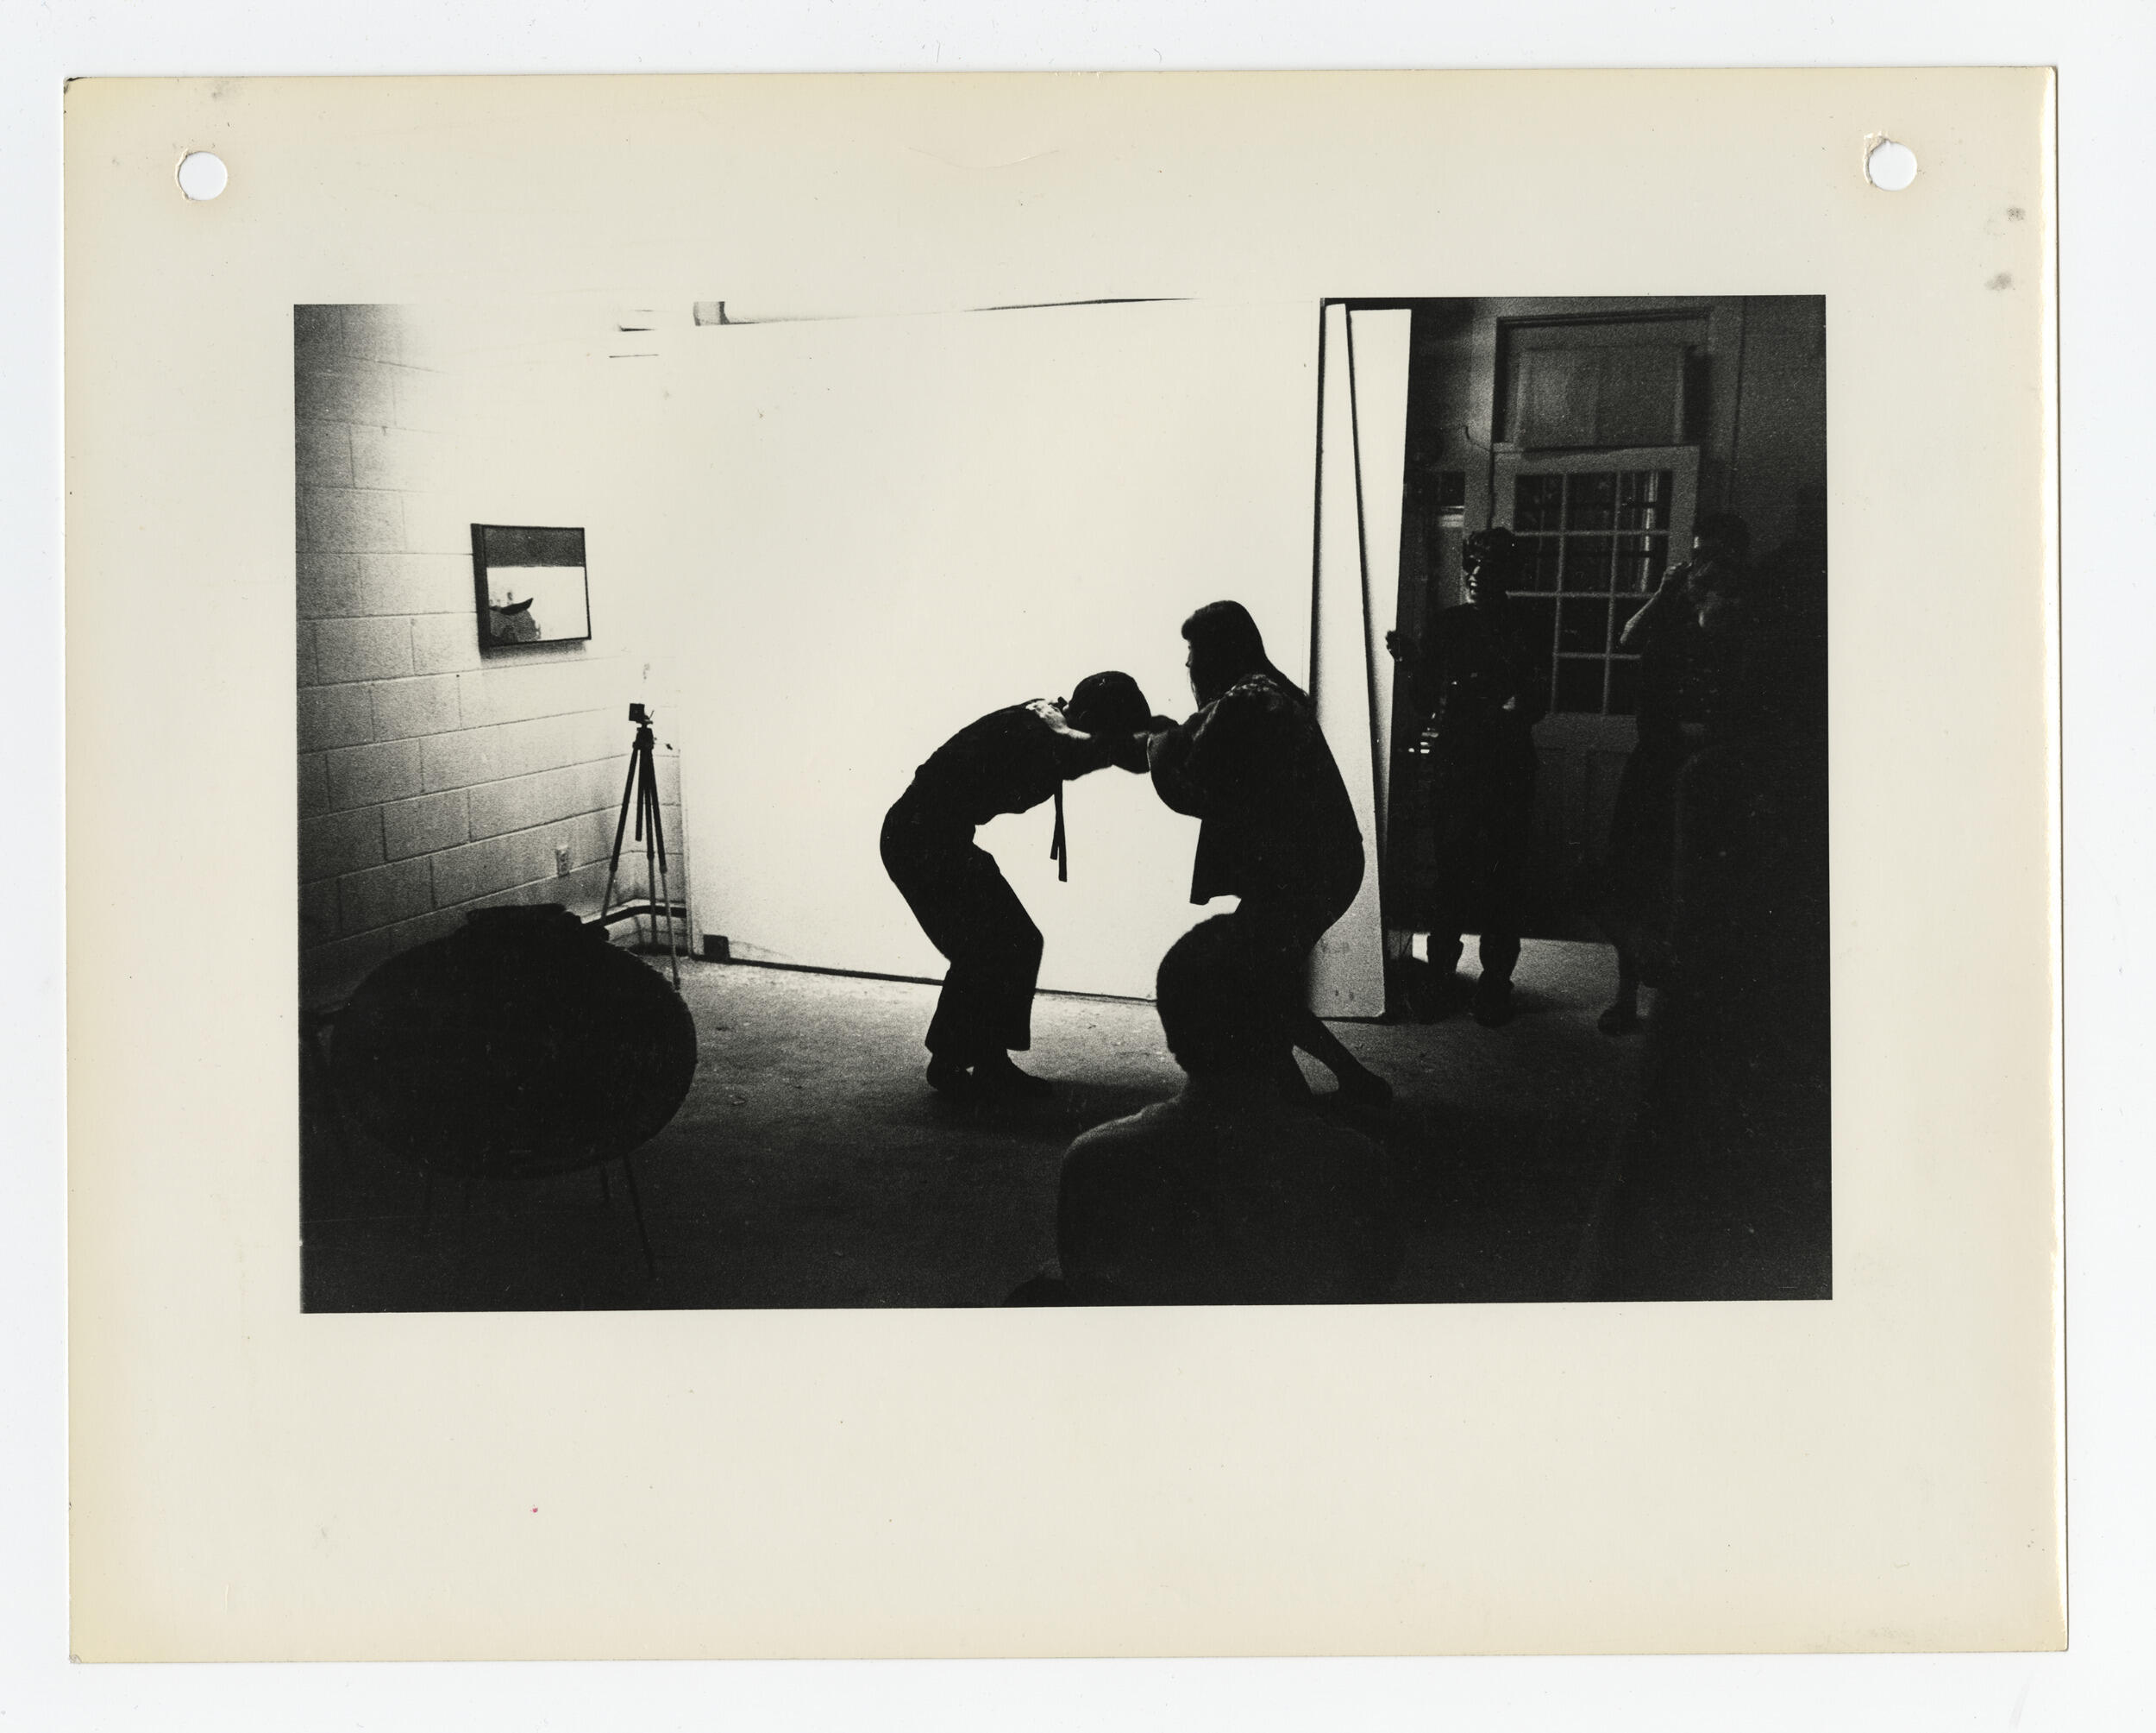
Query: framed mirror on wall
[529,586]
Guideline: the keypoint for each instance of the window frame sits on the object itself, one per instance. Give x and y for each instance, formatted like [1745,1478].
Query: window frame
[1510,465]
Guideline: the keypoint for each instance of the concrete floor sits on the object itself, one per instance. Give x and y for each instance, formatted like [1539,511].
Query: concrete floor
[810,1166]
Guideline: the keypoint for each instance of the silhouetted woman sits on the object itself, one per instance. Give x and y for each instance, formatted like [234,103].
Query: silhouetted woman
[1483,679]
[1683,636]
[1010,761]
[1276,831]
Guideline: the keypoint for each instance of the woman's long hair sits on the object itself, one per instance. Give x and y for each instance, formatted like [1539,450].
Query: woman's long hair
[1226,646]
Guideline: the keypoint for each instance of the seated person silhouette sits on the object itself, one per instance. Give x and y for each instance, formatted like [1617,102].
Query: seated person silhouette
[1226,1195]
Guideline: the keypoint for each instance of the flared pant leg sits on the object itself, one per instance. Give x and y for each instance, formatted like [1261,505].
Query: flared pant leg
[970,914]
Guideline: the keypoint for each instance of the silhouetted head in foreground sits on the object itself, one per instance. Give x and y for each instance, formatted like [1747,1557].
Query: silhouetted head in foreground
[1225,647]
[1214,1002]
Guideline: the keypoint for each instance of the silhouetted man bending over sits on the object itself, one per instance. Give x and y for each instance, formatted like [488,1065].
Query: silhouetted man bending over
[1010,761]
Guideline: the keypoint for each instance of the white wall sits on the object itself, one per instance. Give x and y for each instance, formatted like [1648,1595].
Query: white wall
[818,548]
[885,528]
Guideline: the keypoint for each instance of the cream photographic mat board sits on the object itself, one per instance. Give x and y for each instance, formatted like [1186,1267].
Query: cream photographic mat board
[1880,1470]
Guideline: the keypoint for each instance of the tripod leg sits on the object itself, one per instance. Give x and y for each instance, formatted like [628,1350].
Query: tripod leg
[666,891]
[621,824]
[652,807]
[673,941]
[646,819]
[635,1203]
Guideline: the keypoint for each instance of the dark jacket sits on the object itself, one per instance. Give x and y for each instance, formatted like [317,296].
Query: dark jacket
[1276,823]
[1005,762]
[1475,658]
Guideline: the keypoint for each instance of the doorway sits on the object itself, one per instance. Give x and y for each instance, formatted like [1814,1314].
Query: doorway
[1599,530]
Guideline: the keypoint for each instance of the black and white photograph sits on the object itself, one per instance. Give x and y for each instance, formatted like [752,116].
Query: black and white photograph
[1131,801]
[1084,865]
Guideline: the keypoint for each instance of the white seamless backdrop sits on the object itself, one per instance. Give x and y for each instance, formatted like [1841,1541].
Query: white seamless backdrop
[900,524]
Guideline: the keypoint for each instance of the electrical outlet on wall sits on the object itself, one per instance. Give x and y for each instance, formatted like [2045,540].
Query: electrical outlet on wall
[560,860]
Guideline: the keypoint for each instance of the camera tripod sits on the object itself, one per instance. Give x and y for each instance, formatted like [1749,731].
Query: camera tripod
[640,792]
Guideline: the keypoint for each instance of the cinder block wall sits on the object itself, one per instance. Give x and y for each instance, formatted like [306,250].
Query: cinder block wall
[434,781]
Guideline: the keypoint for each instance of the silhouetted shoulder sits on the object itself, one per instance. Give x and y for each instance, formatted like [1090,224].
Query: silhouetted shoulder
[1134,1131]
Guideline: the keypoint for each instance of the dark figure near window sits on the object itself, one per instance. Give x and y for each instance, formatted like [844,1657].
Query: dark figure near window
[1483,678]
[1277,829]
[1686,635]
[1010,761]
[1225,1196]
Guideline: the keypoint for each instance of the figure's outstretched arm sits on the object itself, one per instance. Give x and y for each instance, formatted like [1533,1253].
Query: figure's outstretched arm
[1660,607]
[1168,755]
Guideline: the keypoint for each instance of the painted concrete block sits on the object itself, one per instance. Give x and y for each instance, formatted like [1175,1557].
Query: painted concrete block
[363,520]
[334,716]
[347,389]
[322,454]
[318,336]
[425,825]
[437,522]
[518,803]
[339,843]
[365,649]
[499,863]
[375,332]
[329,583]
[405,709]
[458,760]
[382,895]
[368,775]
[314,785]
[446,643]
[403,458]
[318,912]
[406,583]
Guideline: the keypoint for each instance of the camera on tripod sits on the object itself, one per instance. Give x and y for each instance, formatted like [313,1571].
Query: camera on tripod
[639,795]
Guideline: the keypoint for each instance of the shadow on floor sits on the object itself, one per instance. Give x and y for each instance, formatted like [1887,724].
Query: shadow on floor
[812,1167]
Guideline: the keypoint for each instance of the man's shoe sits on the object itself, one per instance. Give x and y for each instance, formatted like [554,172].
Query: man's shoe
[947,1076]
[999,1076]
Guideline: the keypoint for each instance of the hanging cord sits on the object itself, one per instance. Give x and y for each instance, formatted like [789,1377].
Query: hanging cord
[1059,848]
